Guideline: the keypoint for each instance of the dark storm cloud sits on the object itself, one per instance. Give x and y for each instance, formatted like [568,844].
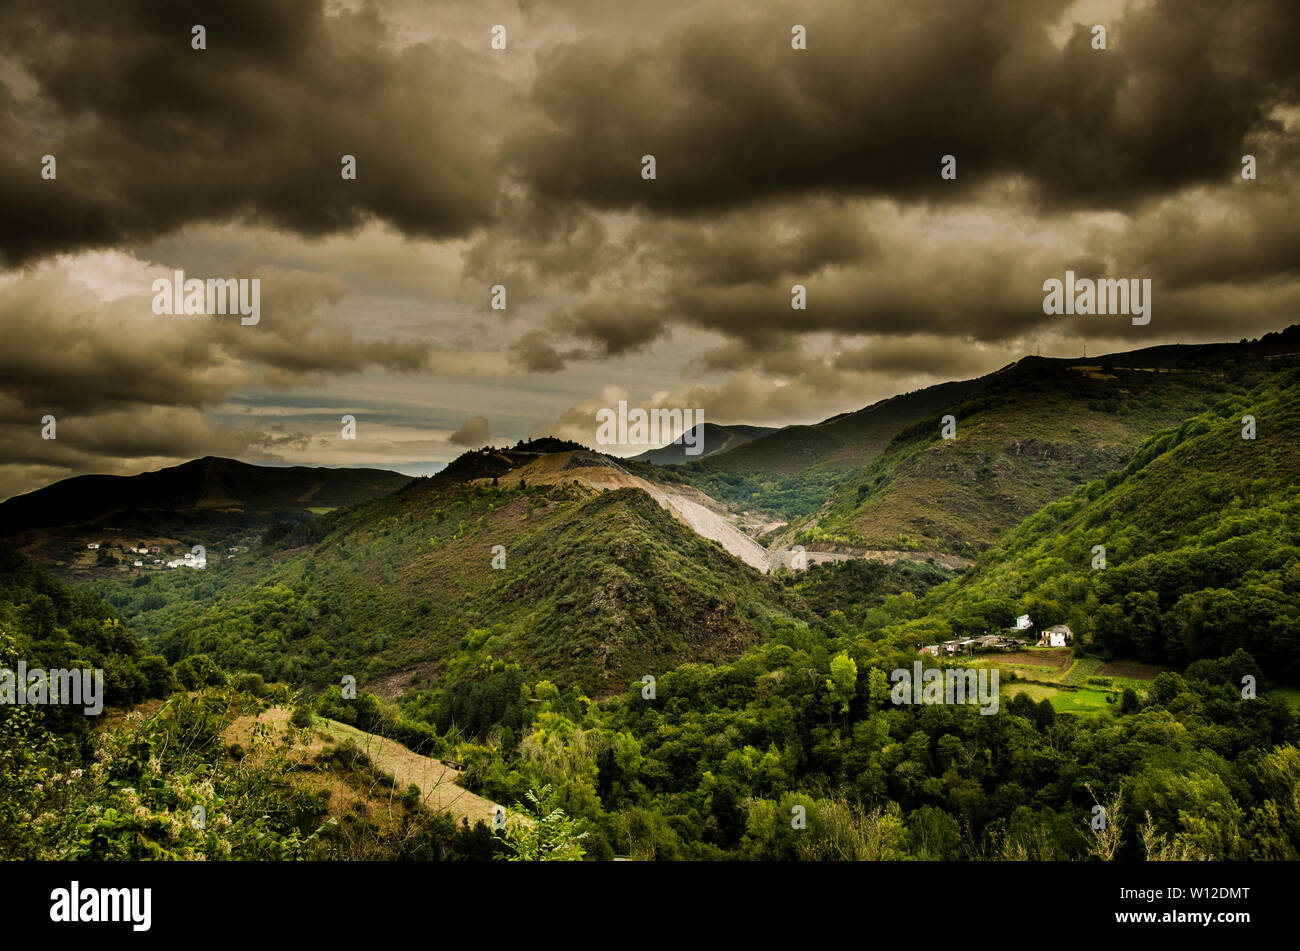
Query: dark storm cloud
[70,352]
[732,113]
[476,432]
[957,288]
[1251,234]
[150,134]
[918,354]
[756,244]
[618,323]
[534,353]
[774,352]
[112,441]
[775,167]
[542,242]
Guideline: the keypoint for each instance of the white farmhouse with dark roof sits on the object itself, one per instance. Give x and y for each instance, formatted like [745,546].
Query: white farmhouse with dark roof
[1058,635]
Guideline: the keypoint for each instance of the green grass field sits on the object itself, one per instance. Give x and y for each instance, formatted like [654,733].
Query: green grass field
[1084,701]
[1050,683]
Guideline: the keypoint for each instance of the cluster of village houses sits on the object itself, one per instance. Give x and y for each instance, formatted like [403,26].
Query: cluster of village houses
[1019,636]
[189,560]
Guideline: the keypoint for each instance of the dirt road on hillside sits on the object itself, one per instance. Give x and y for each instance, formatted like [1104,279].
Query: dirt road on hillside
[699,512]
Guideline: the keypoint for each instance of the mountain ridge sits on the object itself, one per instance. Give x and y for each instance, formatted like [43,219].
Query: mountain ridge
[208,482]
[715,438]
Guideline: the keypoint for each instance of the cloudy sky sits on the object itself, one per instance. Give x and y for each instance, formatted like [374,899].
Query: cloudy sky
[476,166]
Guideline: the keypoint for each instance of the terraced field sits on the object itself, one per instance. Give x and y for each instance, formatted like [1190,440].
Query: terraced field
[1072,684]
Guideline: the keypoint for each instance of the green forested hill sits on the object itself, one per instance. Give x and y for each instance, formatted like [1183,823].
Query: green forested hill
[1026,437]
[1202,545]
[48,624]
[1026,434]
[164,782]
[597,588]
[841,442]
[791,471]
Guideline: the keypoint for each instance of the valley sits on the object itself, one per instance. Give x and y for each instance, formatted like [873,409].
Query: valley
[373,664]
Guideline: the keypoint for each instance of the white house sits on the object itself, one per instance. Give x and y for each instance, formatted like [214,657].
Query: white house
[1023,623]
[139,564]
[93,546]
[1058,635]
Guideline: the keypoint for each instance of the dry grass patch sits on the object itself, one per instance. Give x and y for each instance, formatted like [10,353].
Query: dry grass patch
[439,791]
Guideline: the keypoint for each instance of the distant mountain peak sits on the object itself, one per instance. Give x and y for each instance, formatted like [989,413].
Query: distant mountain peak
[706,439]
